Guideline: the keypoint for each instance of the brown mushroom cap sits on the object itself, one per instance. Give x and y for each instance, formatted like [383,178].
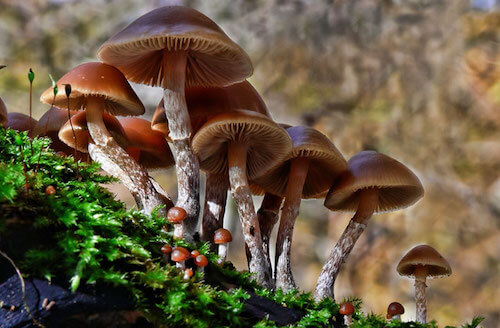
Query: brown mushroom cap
[427,256]
[395,308]
[20,122]
[176,215]
[398,186]
[201,261]
[326,164]
[83,137]
[96,79]
[3,112]
[268,142]
[202,103]
[346,308]
[222,236]
[179,254]
[141,49]
[153,149]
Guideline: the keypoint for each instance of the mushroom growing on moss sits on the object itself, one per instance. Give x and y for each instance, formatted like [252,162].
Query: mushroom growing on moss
[177,215]
[176,47]
[373,183]
[308,171]
[20,122]
[423,262]
[179,256]
[222,237]
[99,88]
[347,310]
[394,311]
[245,144]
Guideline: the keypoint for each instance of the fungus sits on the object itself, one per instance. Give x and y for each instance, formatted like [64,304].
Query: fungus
[177,215]
[176,47]
[201,262]
[20,122]
[347,310]
[394,311]
[166,250]
[188,273]
[100,88]
[373,183]
[222,237]
[194,253]
[423,262]
[245,144]
[203,103]
[50,190]
[308,171]
[179,255]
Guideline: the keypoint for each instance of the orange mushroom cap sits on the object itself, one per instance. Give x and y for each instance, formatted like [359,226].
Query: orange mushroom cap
[180,254]
[222,236]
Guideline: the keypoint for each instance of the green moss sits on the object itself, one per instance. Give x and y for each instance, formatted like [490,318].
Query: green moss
[89,238]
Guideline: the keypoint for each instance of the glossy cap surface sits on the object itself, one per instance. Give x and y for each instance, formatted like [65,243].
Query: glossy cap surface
[427,256]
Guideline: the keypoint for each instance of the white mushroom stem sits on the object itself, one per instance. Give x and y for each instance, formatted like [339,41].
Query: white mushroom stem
[421,306]
[187,166]
[395,317]
[368,199]
[178,230]
[293,195]
[180,265]
[347,320]
[116,162]
[237,158]
[215,204]
[223,252]
[268,217]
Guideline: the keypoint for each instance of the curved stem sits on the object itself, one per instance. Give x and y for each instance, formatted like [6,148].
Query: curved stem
[421,306]
[215,205]
[293,195]
[188,169]
[368,199]
[237,158]
[117,162]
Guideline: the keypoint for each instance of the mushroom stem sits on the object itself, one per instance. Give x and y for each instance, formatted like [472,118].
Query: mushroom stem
[348,320]
[178,231]
[368,199]
[268,217]
[237,158]
[95,123]
[421,306]
[180,265]
[223,252]
[188,169]
[215,205]
[289,213]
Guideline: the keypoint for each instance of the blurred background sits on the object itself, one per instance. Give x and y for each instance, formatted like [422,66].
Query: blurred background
[415,79]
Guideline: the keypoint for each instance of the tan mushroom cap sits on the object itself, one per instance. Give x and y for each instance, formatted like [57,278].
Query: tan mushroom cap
[20,122]
[83,137]
[398,186]
[3,112]
[141,49]
[326,164]
[180,254]
[100,80]
[267,142]
[153,149]
[203,103]
[424,255]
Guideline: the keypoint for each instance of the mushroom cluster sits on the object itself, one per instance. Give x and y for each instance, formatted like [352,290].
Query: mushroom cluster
[218,123]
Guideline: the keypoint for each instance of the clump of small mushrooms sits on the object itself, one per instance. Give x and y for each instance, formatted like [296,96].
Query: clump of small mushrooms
[217,122]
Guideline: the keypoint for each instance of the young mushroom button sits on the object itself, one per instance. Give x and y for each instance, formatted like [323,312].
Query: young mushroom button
[99,88]
[245,144]
[308,171]
[394,311]
[201,262]
[373,183]
[176,47]
[421,263]
[180,255]
[222,237]
[176,215]
[347,310]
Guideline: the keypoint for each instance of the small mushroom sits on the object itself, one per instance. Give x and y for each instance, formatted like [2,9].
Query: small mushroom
[179,255]
[245,144]
[194,253]
[423,262]
[50,190]
[201,262]
[20,122]
[394,311]
[347,310]
[166,250]
[188,273]
[373,183]
[177,215]
[222,237]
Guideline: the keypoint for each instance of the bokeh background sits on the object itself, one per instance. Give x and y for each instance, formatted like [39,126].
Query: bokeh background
[415,79]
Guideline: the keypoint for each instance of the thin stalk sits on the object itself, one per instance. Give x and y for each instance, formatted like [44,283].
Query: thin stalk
[67,88]
[215,205]
[45,130]
[368,199]
[420,301]
[31,77]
